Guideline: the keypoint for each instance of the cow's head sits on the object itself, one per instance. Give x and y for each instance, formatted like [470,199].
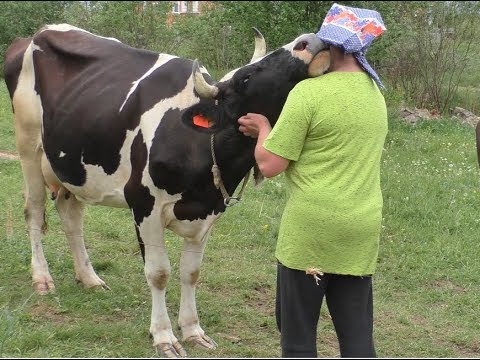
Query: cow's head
[259,87]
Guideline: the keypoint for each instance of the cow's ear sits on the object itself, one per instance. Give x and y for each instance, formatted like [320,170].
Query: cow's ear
[201,118]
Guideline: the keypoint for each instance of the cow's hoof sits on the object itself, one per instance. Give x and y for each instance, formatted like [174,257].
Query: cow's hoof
[203,340]
[105,286]
[174,350]
[44,287]
[90,284]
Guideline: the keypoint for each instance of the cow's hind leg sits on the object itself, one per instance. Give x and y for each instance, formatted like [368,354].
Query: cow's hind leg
[188,320]
[35,197]
[71,213]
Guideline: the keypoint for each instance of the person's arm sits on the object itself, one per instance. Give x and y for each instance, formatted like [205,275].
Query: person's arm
[257,126]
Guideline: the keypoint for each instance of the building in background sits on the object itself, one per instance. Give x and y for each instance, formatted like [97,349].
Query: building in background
[185,7]
[180,8]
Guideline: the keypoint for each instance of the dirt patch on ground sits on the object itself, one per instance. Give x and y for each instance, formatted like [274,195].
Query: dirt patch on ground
[445,284]
[46,312]
[263,299]
[8,155]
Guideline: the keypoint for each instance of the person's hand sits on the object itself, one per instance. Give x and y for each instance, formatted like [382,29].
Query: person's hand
[252,124]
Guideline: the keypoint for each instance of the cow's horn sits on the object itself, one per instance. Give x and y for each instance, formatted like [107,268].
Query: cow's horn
[260,46]
[204,89]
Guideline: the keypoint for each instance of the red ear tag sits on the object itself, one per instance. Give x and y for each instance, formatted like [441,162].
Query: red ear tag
[201,121]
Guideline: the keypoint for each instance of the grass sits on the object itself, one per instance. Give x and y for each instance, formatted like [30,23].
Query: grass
[471,77]
[426,286]
[7,131]
[468,93]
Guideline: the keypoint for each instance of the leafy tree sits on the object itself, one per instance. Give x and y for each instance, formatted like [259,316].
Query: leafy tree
[24,18]
[139,24]
[429,57]
[422,56]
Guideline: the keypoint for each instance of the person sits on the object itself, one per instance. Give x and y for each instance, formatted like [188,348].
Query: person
[328,140]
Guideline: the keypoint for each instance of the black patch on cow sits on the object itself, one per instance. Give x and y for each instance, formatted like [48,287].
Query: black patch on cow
[83,81]
[181,161]
[234,161]
[177,155]
[137,195]
[262,87]
[140,242]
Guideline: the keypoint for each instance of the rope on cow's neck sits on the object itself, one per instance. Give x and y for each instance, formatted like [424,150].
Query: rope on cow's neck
[217,179]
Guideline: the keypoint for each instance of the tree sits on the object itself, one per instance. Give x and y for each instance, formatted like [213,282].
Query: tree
[24,18]
[429,57]
[140,24]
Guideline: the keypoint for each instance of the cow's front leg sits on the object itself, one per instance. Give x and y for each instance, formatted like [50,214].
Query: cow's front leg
[157,272]
[188,320]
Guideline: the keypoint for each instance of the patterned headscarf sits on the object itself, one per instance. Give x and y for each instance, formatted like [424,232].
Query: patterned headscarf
[353,30]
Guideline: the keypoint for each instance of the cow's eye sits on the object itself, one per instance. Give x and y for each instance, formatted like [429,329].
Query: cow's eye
[245,80]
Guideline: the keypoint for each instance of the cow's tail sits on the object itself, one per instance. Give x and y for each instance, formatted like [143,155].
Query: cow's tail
[27,114]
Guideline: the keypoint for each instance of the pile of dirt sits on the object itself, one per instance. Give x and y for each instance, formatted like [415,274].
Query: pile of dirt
[413,115]
[458,113]
[465,116]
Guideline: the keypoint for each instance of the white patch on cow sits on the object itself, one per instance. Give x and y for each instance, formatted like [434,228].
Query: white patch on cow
[229,75]
[150,120]
[27,103]
[101,188]
[194,231]
[162,59]
[67,27]
[62,154]
[35,47]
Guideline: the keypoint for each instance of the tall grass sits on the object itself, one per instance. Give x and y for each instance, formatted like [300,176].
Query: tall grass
[468,94]
[425,290]
[7,134]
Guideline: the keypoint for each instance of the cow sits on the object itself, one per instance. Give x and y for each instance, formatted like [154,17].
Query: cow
[98,122]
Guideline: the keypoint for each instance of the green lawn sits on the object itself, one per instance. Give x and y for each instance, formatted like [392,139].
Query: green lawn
[427,284]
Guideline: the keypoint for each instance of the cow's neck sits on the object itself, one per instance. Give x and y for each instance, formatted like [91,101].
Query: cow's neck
[234,154]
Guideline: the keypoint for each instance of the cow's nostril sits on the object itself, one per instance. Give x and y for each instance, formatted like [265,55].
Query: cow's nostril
[302,45]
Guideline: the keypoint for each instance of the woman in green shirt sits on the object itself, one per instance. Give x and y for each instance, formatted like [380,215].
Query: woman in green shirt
[329,140]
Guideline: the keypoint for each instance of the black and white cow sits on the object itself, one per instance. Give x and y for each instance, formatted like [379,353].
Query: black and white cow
[99,122]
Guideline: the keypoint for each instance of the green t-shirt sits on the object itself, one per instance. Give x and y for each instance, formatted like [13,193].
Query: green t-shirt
[333,129]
